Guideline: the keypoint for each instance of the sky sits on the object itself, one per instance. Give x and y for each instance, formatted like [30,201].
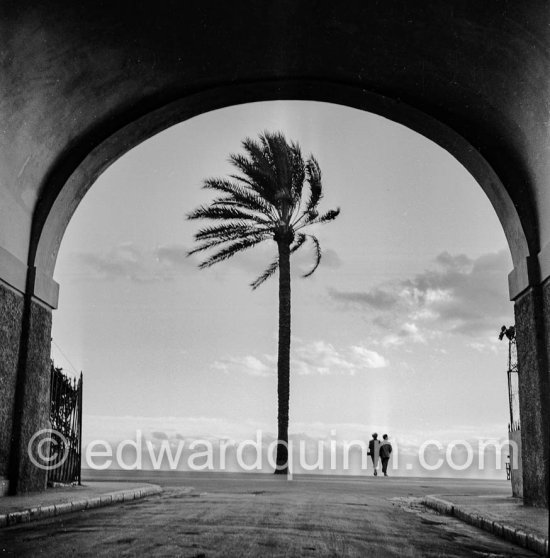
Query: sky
[395,332]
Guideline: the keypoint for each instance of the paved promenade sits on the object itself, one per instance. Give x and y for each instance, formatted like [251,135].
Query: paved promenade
[15,510]
[262,515]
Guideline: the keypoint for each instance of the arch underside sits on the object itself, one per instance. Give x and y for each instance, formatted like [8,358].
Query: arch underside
[48,235]
[87,83]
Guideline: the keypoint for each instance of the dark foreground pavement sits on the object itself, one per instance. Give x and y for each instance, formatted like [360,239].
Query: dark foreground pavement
[211,515]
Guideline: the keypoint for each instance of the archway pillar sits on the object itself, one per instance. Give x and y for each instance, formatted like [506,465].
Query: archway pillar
[32,396]
[27,298]
[531,298]
[11,319]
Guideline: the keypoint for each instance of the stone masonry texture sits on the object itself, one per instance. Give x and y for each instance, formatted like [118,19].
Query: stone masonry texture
[533,387]
[11,314]
[34,412]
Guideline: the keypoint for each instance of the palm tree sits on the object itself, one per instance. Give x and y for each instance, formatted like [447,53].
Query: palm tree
[266,201]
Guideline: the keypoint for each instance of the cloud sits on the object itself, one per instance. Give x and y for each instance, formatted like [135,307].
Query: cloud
[127,261]
[124,260]
[323,359]
[406,332]
[315,358]
[491,346]
[134,263]
[368,359]
[250,365]
[174,254]
[458,295]
[116,428]
[377,298]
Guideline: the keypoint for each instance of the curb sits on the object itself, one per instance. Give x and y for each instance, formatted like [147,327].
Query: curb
[529,541]
[51,510]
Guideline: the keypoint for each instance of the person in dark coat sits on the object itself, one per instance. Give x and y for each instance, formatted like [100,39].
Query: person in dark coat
[374,451]
[385,451]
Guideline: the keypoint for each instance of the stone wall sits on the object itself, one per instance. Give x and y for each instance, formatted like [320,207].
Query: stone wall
[516,469]
[533,395]
[11,316]
[33,397]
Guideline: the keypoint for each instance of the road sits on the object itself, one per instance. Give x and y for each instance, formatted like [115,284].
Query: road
[213,515]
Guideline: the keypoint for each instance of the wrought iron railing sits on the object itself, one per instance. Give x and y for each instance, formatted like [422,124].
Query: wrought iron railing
[66,422]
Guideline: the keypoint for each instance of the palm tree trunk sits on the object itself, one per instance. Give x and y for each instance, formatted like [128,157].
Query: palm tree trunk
[283,362]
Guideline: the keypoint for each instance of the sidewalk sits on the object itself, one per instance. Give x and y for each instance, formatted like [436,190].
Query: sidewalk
[504,516]
[57,501]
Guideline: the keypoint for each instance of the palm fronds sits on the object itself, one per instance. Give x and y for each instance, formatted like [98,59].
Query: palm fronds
[265,199]
[269,271]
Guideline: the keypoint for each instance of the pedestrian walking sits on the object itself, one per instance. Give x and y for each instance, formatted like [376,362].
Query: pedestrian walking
[374,451]
[385,452]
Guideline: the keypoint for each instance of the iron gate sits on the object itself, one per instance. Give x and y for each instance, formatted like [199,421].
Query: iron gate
[66,422]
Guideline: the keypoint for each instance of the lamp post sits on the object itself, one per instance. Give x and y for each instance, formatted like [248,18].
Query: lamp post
[510,334]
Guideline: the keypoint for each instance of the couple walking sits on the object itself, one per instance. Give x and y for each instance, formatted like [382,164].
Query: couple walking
[380,449]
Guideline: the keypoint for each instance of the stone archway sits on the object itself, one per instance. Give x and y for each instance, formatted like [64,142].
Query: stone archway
[85,84]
